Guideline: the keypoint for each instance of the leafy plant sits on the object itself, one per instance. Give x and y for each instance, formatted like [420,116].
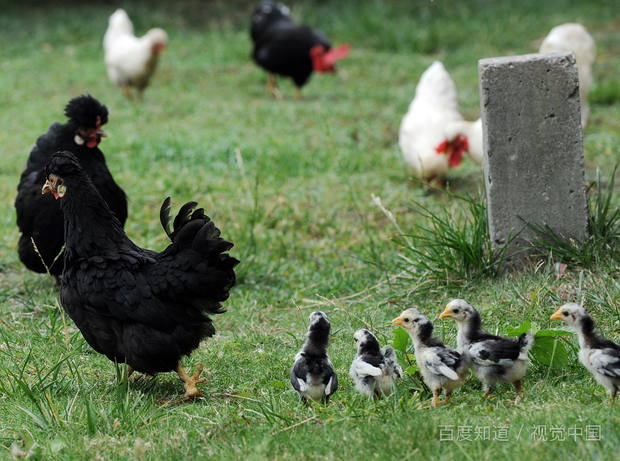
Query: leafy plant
[452,246]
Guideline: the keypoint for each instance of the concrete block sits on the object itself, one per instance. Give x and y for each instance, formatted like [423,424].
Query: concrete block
[533,167]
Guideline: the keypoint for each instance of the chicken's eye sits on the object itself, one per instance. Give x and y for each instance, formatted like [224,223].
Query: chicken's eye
[565,314]
[456,311]
[416,320]
[406,319]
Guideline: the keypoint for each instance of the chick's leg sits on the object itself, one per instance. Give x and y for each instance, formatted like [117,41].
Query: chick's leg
[191,390]
[436,397]
[297,93]
[517,385]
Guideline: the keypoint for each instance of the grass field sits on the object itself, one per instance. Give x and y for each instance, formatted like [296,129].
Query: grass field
[291,184]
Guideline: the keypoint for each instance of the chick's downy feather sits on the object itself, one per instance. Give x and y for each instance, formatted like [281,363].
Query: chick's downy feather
[494,359]
[373,372]
[313,375]
[135,305]
[599,355]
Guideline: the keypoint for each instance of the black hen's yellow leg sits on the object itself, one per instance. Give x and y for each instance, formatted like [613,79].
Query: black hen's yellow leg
[272,87]
[191,390]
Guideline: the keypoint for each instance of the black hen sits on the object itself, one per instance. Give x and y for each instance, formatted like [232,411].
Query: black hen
[135,305]
[313,375]
[284,48]
[38,216]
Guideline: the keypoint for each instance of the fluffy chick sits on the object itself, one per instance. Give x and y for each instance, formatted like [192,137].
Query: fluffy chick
[494,359]
[599,355]
[371,371]
[441,366]
[313,375]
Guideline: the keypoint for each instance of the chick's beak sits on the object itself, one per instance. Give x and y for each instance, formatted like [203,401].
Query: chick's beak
[557,315]
[47,187]
[446,313]
[398,321]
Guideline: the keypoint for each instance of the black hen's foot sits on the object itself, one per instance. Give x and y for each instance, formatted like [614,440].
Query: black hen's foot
[191,390]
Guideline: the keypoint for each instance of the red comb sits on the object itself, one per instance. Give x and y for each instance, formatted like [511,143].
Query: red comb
[323,61]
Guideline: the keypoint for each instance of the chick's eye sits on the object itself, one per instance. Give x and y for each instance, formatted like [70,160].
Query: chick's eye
[565,314]
[456,311]
[406,319]
[416,320]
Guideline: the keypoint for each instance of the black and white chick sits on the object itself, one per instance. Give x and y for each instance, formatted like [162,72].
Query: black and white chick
[441,366]
[313,375]
[599,355]
[373,372]
[494,359]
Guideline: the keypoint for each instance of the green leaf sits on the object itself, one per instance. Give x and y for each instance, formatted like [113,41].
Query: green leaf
[524,328]
[401,339]
[549,351]
[554,332]
[278,384]
[412,370]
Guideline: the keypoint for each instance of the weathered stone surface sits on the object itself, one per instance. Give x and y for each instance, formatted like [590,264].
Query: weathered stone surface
[533,167]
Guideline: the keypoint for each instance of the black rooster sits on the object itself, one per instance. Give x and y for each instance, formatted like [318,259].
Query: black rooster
[284,48]
[38,216]
[135,305]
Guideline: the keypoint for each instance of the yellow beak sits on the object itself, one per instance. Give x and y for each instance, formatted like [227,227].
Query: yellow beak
[445,313]
[47,187]
[557,316]
[398,321]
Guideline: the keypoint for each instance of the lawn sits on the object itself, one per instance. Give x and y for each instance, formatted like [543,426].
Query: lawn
[292,185]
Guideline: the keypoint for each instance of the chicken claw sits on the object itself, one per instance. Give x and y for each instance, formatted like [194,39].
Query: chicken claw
[191,390]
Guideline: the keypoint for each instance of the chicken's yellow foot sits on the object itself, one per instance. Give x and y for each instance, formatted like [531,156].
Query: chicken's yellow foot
[191,390]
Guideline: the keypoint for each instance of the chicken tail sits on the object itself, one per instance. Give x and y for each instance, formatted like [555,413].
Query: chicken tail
[526,342]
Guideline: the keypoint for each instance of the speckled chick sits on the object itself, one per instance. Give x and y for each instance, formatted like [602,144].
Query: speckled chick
[441,366]
[599,355]
[494,359]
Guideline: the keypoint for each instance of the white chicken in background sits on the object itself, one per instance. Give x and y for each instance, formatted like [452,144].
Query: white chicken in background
[421,136]
[131,61]
[576,39]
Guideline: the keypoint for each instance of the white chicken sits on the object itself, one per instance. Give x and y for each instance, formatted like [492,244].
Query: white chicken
[131,61]
[421,136]
[576,39]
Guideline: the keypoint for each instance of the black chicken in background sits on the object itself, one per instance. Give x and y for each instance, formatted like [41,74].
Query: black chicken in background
[291,50]
[38,216]
[135,305]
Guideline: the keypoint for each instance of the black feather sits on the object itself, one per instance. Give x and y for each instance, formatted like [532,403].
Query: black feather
[38,216]
[282,47]
[135,305]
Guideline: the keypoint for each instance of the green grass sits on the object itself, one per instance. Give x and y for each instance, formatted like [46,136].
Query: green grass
[292,184]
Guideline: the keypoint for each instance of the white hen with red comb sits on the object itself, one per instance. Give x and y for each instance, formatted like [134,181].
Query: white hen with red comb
[421,136]
[131,61]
